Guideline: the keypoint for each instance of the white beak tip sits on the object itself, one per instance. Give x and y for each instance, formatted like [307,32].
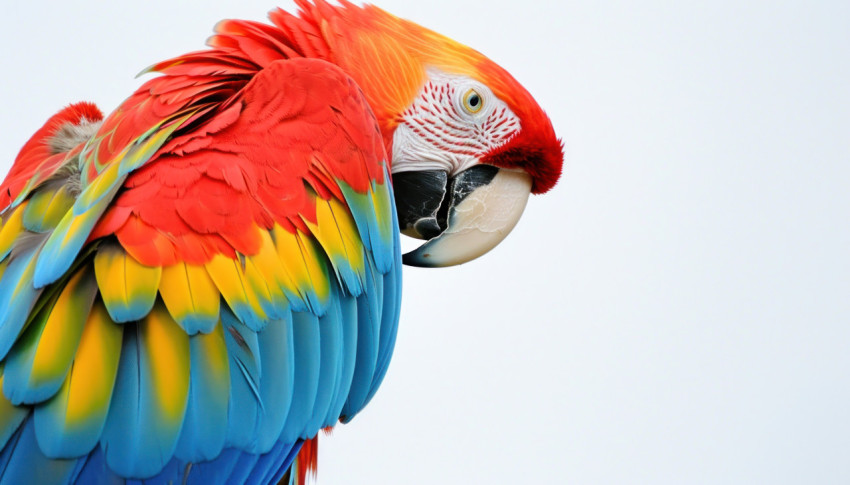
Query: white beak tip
[477,224]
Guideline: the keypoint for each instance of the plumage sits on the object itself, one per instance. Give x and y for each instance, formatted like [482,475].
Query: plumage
[150,397]
[202,436]
[38,364]
[191,297]
[70,424]
[11,416]
[46,208]
[246,300]
[306,359]
[194,285]
[17,297]
[278,376]
[128,288]
[12,228]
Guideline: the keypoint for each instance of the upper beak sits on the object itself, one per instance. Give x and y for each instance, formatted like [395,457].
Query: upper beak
[464,216]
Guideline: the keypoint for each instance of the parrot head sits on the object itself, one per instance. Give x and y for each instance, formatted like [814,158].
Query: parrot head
[468,143]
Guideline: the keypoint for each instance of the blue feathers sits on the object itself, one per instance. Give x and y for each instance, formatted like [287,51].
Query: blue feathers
[150,397]
[23,462]
[277,375]
[230,405]
[203,436]
[232,466]
[243,349]
[17,297]
[65,242]
[305,328]
[389,317]
[348,322]
[226,406]
[369,309]
[331,353]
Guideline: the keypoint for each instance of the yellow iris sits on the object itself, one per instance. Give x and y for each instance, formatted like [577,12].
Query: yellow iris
[472,101]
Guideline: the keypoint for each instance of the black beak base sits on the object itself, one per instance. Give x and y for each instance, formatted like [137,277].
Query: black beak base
[423,199]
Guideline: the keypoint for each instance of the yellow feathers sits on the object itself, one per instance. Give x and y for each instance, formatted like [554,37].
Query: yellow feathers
[46,208]
[336,231]
[13,226]
[167,346]
[128,287]
[302,259]
[288,269]
[190,296]
[62,329]
[71,421]
[229,277]
[88,387]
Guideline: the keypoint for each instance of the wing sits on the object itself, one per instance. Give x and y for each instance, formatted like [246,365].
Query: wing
[207,282]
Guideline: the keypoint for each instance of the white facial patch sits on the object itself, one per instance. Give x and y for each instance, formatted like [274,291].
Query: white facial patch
[448,128]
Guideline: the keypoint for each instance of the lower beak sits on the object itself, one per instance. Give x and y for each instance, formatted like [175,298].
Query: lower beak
[462,218]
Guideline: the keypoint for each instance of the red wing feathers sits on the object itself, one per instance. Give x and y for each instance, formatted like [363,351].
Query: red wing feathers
[231,204]
[295,128]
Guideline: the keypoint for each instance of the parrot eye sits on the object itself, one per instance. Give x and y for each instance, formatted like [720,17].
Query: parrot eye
[472,101]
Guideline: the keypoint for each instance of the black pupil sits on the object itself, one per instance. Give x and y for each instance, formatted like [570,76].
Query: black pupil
[474,100]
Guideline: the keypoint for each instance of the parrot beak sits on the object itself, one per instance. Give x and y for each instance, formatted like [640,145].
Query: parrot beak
[462,217]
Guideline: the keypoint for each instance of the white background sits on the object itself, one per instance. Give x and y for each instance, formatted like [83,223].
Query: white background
[674,311]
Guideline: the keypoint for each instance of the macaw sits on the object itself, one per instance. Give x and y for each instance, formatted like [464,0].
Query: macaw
[195,285]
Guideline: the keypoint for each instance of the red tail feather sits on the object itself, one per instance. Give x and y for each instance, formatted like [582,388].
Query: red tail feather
[307,460]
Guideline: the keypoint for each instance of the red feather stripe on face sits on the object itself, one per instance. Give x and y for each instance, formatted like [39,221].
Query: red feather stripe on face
[537,151]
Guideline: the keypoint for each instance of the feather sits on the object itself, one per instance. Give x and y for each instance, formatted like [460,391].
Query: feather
[76,225]
[25,463]
[336,232]
[242,469]
[191,297]
[128,288]
[202,437]
[148,143]
[13,226]
[150,396]
[280,284]
[71,423]
[11,416]
[275,476]
[306,460]
[275,304]
[386,226]
[389,316]
[41,358]
[95,471]
[331,355]
[46,208]
[348,321]
[306,348]
[212,472]
[65,242]
[269,462]
[243,300]
[368,341]
[17,297]
[277,381]
[243,348]
[301,258]
[370,213]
